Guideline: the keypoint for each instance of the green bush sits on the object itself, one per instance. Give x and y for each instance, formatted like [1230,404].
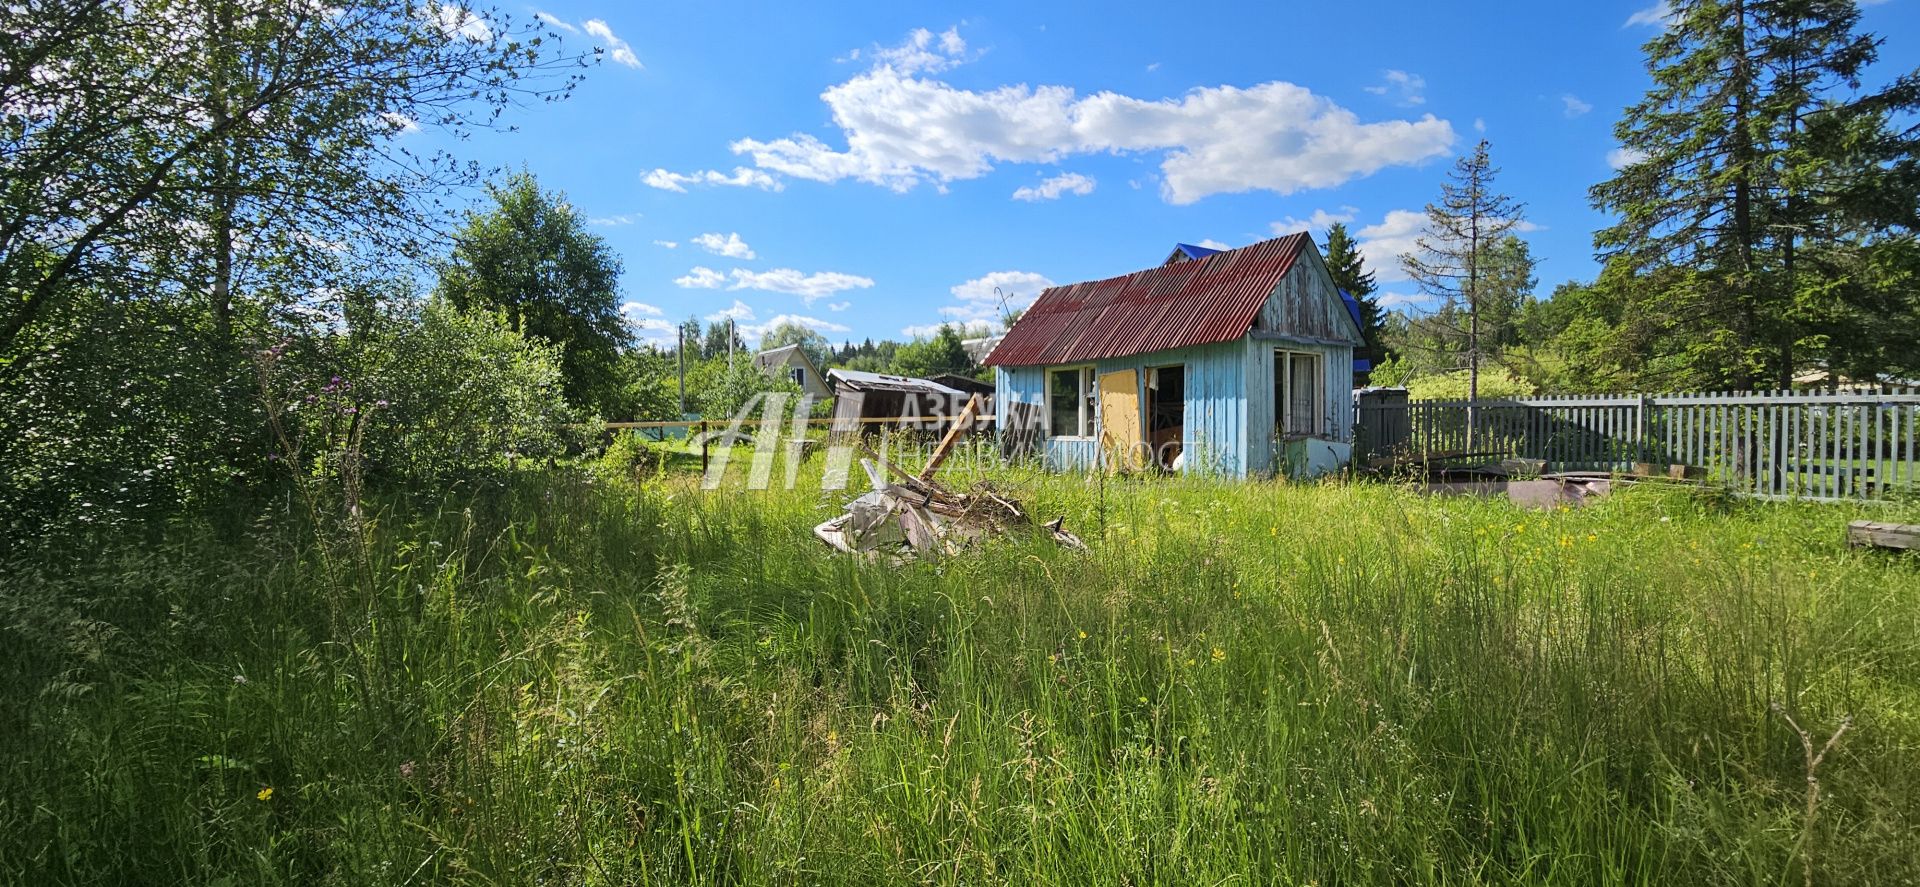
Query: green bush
[1495,383]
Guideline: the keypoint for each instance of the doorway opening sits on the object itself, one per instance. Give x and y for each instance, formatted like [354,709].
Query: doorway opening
[1166,413]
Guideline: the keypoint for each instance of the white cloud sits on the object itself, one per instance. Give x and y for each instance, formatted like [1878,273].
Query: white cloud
[737,313]
[742,178]
[1321,220]
[454,20]
[1152,67]
[902,131]
[729,245]
[640,308]
[667,244]
[400,124]
[1397,234]
[701,278]
[1402,87]
[978,302]
[1384,243]
[839,306]
[611,221]
[1659,15]
[653,330]
[1621,158]
[755,332]
[808,287]
[1051,189]
[923,50]
[1574,106]
[966,330]
[617,49]
[1479,124]
[1211,243]
[555,21]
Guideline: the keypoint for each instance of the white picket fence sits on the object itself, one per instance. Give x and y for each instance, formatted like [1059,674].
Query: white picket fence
[1858,444]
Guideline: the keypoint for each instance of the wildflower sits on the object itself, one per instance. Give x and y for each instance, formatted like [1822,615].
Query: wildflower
[1083,635]
[1566,541]
[406,770]
[266,794]
[1592,538]
[1219,655]
[240,679]
[1191,662]
[1143,700]
[833,736]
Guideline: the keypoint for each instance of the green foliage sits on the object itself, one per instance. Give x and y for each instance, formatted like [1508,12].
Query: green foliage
[453,392]
[295,112]
[1350,273]
[1764,173]
[1494,384]
[532,258]
[564,681]
[943,353]
[121,411]
[719,389]
[649,386]
[816,346]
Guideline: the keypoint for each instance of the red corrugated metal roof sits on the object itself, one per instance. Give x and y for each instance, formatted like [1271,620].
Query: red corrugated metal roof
[1196,302]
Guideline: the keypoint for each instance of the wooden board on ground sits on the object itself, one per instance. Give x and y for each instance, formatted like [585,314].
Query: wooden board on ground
[1875,534]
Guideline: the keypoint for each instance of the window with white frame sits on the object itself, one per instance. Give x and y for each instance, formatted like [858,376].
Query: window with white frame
[1299,394]
[1070,394]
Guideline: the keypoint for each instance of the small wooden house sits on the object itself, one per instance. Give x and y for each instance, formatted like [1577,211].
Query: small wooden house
[1236,362]
[792,363]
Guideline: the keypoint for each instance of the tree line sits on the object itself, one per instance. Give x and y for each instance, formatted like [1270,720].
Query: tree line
[1763,231]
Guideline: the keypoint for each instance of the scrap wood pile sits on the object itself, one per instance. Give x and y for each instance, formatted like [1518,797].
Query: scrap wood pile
[914,515]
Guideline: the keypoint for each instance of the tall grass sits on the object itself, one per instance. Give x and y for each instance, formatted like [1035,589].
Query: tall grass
[610,680]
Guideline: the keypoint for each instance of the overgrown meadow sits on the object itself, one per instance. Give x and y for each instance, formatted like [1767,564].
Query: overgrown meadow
[611,676]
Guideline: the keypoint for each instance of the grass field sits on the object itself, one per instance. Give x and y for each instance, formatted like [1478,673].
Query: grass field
[569,678]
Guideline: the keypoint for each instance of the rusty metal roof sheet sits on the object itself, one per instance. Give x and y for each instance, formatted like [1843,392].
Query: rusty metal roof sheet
[1210,299]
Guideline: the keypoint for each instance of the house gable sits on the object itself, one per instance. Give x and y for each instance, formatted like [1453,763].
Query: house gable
[1306,307]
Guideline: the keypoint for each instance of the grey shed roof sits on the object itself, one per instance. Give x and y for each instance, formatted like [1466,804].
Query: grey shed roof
[859,381]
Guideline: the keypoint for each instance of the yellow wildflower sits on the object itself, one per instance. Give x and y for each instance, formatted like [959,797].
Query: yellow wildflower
[1219,655]
[266,794]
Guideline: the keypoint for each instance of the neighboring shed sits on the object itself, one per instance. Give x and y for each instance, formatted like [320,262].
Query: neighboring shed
[1233,361]
[791,362]
[914,403]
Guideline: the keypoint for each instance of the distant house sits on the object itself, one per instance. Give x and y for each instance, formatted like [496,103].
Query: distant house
[792,363]
[1230,361]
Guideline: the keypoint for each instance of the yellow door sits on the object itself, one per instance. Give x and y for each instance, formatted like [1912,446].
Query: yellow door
[1120,437]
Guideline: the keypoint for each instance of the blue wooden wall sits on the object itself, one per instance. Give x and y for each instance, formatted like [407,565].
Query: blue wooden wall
[1229,396]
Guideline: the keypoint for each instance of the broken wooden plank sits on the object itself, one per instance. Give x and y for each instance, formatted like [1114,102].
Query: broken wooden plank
[953,436]
[1876,534]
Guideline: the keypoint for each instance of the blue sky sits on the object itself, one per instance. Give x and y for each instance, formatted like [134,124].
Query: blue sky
[874,169]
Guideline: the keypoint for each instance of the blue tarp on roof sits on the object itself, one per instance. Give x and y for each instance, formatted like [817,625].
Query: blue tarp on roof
[1360,364]
[1194,252]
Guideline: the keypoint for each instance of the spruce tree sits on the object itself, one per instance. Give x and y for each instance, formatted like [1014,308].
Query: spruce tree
[1350,273]
[1754,152]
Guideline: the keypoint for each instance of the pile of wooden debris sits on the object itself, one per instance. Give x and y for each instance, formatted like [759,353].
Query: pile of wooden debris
[911,514]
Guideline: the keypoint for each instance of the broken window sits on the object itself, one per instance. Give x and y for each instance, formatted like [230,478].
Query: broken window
[1299,395]
[1070,394]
